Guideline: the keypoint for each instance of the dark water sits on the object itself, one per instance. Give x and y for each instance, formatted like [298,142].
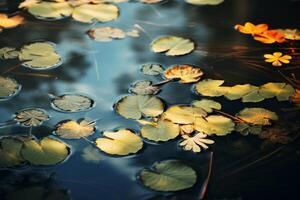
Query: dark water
[104,71]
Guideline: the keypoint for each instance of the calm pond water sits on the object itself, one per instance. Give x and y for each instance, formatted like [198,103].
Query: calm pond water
[243,167]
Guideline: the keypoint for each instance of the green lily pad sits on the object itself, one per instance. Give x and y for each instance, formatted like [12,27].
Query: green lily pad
[257,116]
[10,152]
[50,10]
[48,151]
[121,142]
[31,117]
[169,175]
[207,105]
[246,129]
[204,2]
[144,88]
[211,88]
[281,91]
[8,88]
[75,130]
[8,53]
[152,69]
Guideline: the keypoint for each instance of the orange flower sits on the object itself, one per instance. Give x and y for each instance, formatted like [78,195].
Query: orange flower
[250,28]
[269,37]
[277,59]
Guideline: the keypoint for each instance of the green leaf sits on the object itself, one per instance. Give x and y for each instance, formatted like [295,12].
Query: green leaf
[204,2]
[72,103]
[133,107]
[39,56]
[281,91]
[8,53]
[48,151]
[144,88]
[10,152]
[211,88]
[207,105]
[169,175]
[75,130]
[238,91]
[152,69]
[121,142]
[162,131]
[8,87]
[31,117]
[52,10]
[257,116]
[246,129]
[106,34]
[172,45]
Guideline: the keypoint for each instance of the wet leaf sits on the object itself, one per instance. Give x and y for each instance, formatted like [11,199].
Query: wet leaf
[39,56]
[48,151]
[207,105]
[254,96]
[257,116]
[163,131]
[134,106]
[204,2]
[239,91]
[8,53]
[10,22]
[121,142]
[144,88]
[172,45]
[31,117]
[214,124]
[169,175]
[252,29]
[186,129]
[276,134]
[150,1]
[10,152]
[290,34]
[106,34]
[183,114]
[195,143]
[90,154]
[246,129]
[152,69]
[185,73]
[296,98]
[281,91]
[270,37]
[75,130]
[72,103]
[8,87]
[211,88]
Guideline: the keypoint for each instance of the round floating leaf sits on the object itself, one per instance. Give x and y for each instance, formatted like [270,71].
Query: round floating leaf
[185,73]
[152,69]
[290,34]
[122,142]
[48,151]
[72,103]
[173,46]
[281,91]
[8,87]
[254,96]
[211,88]
[246,129]
[214,124]
[169,175]
[8,53]
[257,116]
[100,12]
[163,131]
[106,34]
[50,10]
[133,107]
[238,91]
[75,130]
[39,56]
[183,114]
[207,105]
[30,117]
[10,152]
[204,2]
[144,88]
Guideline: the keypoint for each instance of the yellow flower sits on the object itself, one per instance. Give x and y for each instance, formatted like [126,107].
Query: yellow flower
[277,59]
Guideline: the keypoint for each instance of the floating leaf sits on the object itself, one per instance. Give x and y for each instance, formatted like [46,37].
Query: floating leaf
[144,88]
[214,124]
[72,103]
[185,73]
[152,69]
[276,134]
[183,114]
[122,142]
[39,56]
[239,91]
[270,37]
[252,29]
[30,117]
[257,116]
[169,175]
[50,10]
[10,152]
[186,129]
[207,105]
[290,34]
[90,154]
[163,131]
[172,45]
[75,130]
[296,98]
[8,87]
[8,53]
[48,151]
[211,88]
[106,34]
[195,143]
[10,22]
[253,96]
[150,1]
[246,129]
[204,2]
[133,107]
[281,91]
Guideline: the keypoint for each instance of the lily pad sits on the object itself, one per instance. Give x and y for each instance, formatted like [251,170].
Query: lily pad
[48,151]
[257,116]
[173,46]
[121,142]
[31,117]
[185,73]
[133,107]
[238,91]
[39,56]
[144,88]
[211,88]
[246,129]
[281,91]
[169,175]
[8,53]
[106,34]
[72,103]
[8,88]
[75,130]
[10,152]
[204,2]
[152,69]
[50,10]
[207,105]
[162,131]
